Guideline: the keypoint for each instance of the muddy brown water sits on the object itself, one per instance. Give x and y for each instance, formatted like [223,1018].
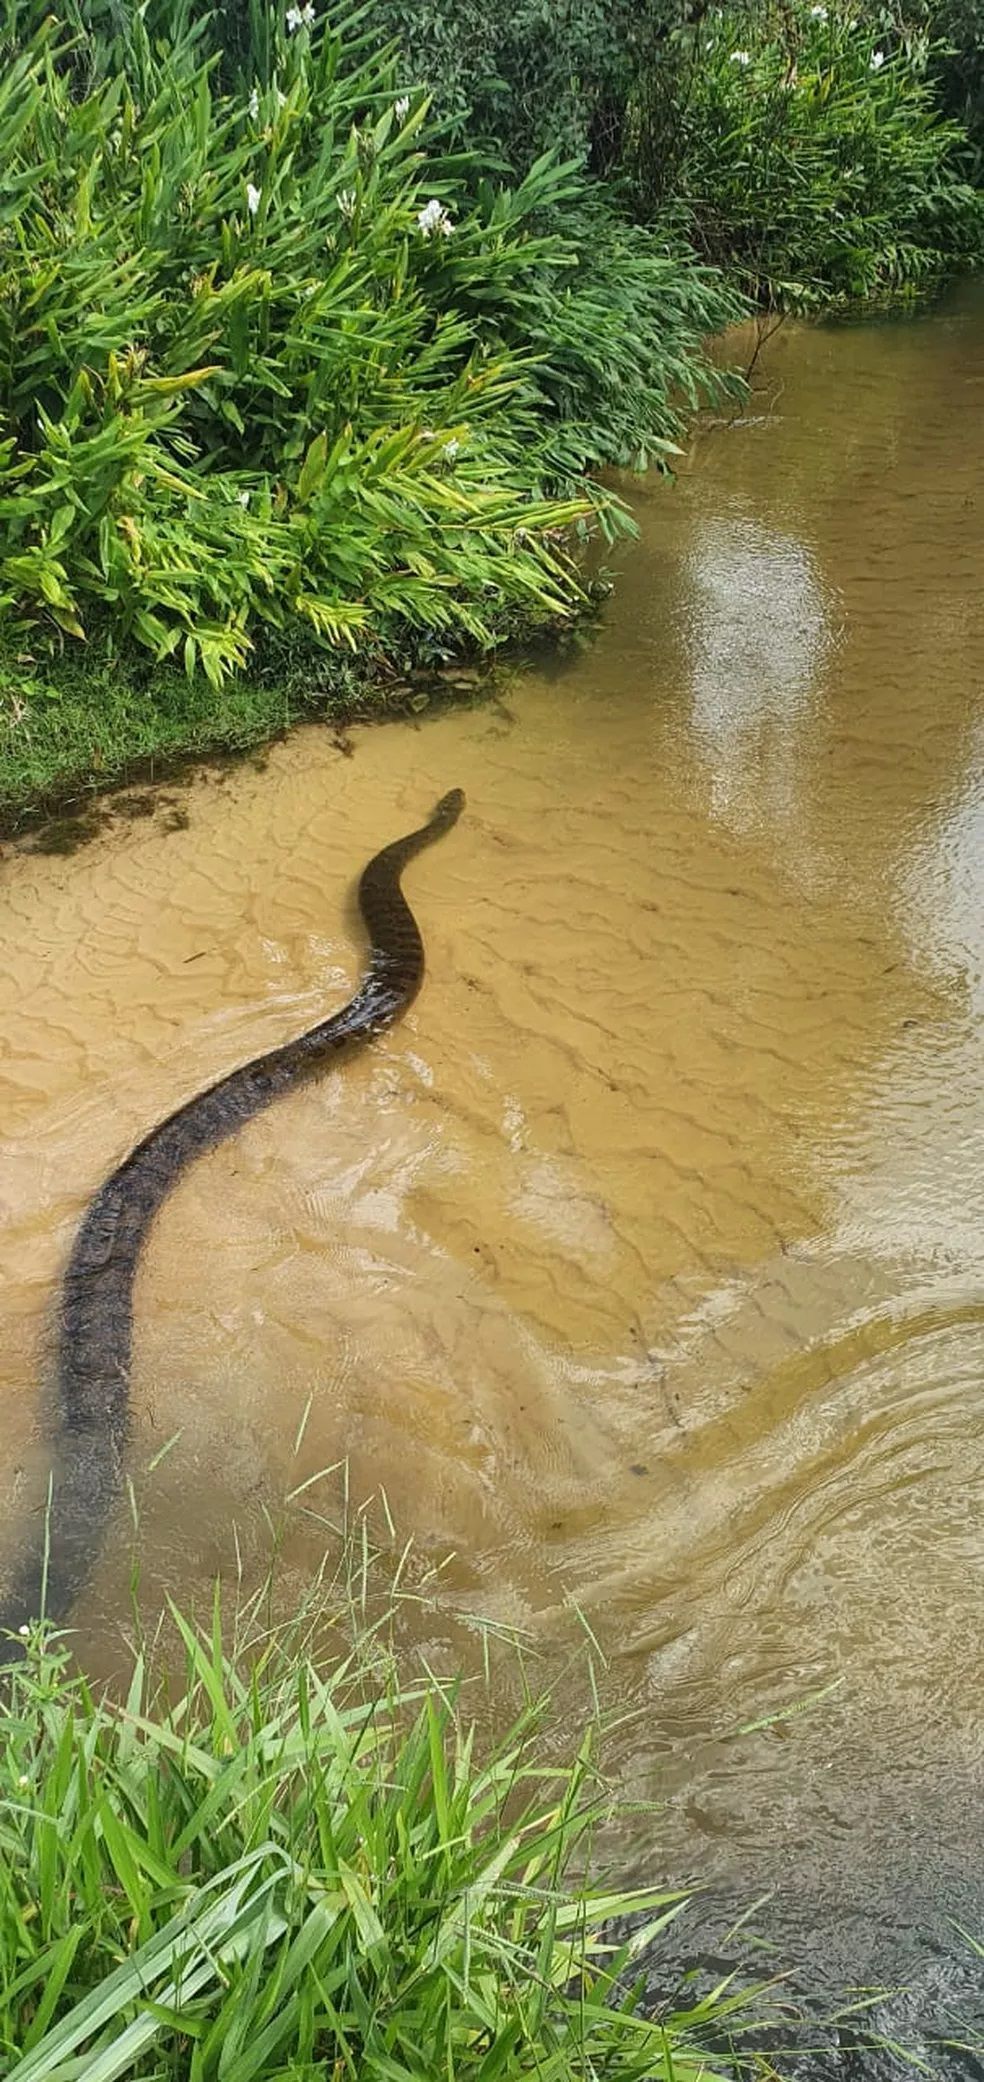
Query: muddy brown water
[643,1266]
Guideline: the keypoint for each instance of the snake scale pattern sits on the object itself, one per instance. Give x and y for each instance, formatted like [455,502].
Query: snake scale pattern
[90,1420]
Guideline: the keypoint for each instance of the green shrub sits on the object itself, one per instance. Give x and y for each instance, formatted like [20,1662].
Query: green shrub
[228,389]
[300,1869]
[611,316]
[262,359]
[957,27]
[804,150]
[519,77]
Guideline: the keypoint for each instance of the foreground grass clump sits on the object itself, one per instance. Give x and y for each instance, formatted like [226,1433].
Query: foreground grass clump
[300,1870]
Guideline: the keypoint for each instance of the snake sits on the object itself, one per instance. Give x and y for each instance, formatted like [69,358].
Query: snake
[95,1317]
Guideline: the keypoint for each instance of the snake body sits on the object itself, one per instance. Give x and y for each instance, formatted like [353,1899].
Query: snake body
[96,1313]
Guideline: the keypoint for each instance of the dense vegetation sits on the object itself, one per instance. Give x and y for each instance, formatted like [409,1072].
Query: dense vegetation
[522,76]
[295,1868]
[804,149]
[805,153]
[311,341]
[269,358]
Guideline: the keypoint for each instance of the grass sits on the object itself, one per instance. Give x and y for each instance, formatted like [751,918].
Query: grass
[75,725]
[290,1864]
[67,731]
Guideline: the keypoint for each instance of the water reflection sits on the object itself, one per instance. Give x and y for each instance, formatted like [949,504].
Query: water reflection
[757,633]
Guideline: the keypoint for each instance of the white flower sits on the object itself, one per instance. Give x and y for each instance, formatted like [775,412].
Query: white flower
[297,17]
[450,449]
[401,108]
[281,98]
[254,103]
[346,201]
[243,498]
[23,1780]
[24,1631]
[877,60]
[740,58]
[818,14]
[433,217]
[252,198]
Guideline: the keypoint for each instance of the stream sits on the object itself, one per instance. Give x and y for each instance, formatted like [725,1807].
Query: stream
[642,1267]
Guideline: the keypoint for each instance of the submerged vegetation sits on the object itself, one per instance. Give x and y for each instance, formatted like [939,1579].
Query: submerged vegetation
[299,1867]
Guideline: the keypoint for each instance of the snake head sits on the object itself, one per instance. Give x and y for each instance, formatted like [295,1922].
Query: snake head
[449,809]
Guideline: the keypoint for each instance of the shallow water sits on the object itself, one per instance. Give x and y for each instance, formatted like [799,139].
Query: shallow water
[643,1265]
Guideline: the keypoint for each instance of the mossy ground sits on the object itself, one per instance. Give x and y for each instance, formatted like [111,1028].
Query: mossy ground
[73,726]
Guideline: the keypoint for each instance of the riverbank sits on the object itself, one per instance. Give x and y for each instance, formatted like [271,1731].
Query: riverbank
[273,1850]
[71,732]
[344,401]
[357,375]
[301,1863]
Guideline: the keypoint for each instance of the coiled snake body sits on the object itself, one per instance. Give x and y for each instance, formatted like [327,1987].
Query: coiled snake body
[96,1316]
